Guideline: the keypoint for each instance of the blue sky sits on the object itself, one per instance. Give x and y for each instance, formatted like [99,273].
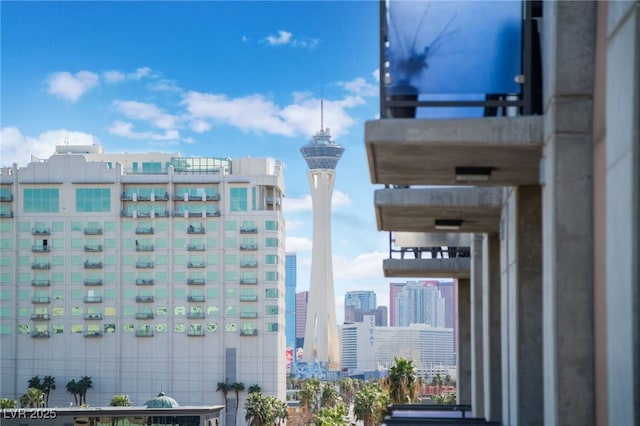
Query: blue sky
[207,79]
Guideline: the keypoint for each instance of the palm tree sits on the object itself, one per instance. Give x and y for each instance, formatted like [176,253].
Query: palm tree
[332,416]
[370,404]
[329,396]
[237,388]
[72,388]
[84,384]
[224,387]
[8,403]
[255,388]
[35,382]
[33,398]
[120,400]
[281,411]
[48,384]
[403,382]
[308,396]
[347,390]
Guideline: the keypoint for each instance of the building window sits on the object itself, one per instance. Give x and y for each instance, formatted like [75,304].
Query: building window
[271,276]
[93,199]
[271,225]
[271,259]
[271,242]
[238,199]
[271,293]
[41,200]
[271,326]
[271,310]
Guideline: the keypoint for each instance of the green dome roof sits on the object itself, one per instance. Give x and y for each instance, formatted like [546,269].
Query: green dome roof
[161,401]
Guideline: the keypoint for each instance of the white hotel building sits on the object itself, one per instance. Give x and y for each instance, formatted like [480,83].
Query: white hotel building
[146,272]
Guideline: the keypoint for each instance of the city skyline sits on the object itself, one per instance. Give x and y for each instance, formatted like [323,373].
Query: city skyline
[182,77]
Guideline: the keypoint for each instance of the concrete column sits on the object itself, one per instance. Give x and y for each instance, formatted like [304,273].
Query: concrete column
[569,35]
[463,338]
[476,301]
[623,213]
[491,314]
[521,298]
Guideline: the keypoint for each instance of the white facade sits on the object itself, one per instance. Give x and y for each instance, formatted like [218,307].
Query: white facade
[146,272]
[366,347]
[420,303]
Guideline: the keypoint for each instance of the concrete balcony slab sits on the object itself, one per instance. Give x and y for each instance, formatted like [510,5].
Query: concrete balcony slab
[428,151]
[417,209]
[458,267]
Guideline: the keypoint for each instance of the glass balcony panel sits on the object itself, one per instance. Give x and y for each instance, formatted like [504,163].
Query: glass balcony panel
[92,282]
[144,299]
[195,229]
[41,283]
[40,333]
[144,264]
[93,299]
[248,247]
[41,265]
[40,317]
[248,281]
[40,249]
[144,230]
[249,264]
[195,264]
[248,230]
[195,281]
[144,281]
[195,333]
[195,298]
[92,231]
[92,265]
[41,299]
[144,315]
[93,248]
[144,247]
[40,231]
[195,315]
[248,315]
[249,332]
[93,316]
[93,334]
[144,333]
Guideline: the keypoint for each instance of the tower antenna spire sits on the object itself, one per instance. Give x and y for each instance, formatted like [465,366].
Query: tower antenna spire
[321,115]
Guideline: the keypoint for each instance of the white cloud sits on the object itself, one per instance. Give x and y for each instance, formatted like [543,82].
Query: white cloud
[147,112]
[286,38]
[18,148]
[293,224]
[365,265]
[199,126]
[125,129]
[114,76]
[71,86]
[360,87]
[297,245]
[283,37]
[293,205]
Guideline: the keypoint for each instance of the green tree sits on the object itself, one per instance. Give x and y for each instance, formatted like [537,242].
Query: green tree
[402,382]
[120,400]
[370,404]
[33,398]
[48,384]
[237,388]
[72,388]
[308,396]
[329,396]
[35,383]
[84,384]
[348,388]
[8,403]
[264,410]
[255,388]
[333,416]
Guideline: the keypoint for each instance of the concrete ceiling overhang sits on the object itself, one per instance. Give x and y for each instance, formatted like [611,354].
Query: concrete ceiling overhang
[417,209]
[433,268]
[428,151]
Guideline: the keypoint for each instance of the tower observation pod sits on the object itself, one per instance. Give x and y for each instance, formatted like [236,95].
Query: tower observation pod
[321,341]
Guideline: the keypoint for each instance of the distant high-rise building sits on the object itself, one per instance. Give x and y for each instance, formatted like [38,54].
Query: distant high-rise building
[361,299]
[394,290]
[302,300]
[290,270]
[420,303]
[321,332]
[448,293]
[357,315]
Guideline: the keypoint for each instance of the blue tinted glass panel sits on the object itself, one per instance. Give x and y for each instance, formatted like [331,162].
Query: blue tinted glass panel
[238,199]
[41,200]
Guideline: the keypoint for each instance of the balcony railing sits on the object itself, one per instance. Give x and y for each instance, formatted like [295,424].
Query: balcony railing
[40,317]
[195,265]
[144,315]
[40,249]
[248,281]
[195,315]
[248,247]
[195,281]
[144,230]
[6,197]
[126,197]
[96,248]
[213,197]
[196,333]
[41,265]
[92,231]
[92,265]
[93,316]
[40,231]
[195,230]
[41,283]
[144,333]
[6,213]
[215,213]
[249,264]
[144,247]
[93,282]
[93,299]
[195,247]
[93,334]
[144,299]
[144,281]
[144,264]
[249,332]
[41,299]
[40,333]
[195,298]
[161,213]
[248,315]
[248,297]
[126,213]
[248,230]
